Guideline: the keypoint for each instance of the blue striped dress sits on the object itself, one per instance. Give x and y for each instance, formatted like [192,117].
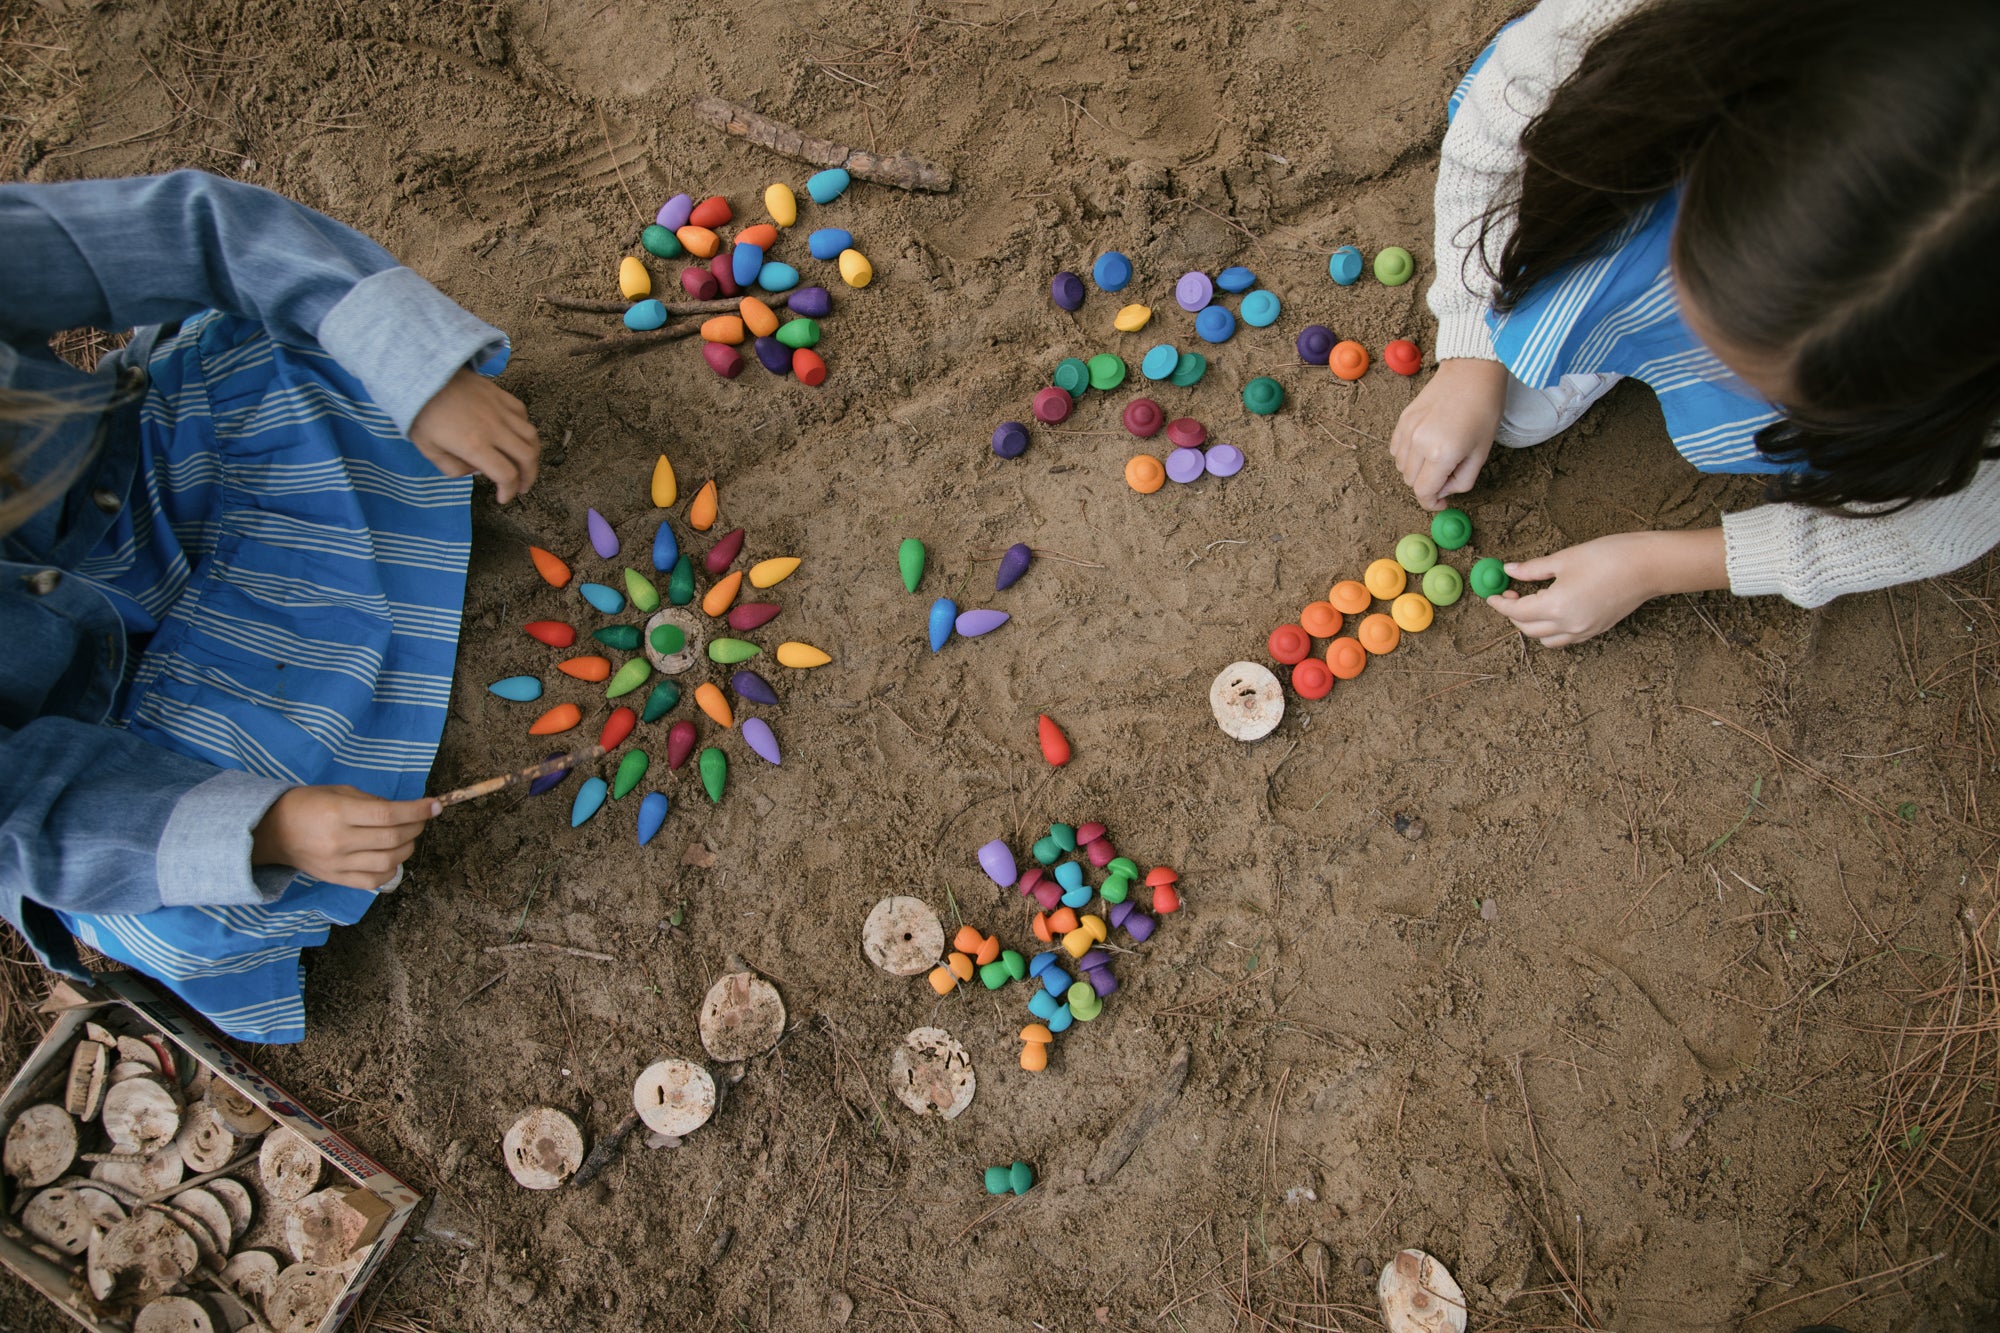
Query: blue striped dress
[1616,314]
[291,571]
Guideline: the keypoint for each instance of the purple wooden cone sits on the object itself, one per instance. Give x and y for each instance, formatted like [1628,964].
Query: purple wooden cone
[1013,565]
[749,685]
[758,736]
[998,862]
[542,784]
[973,623]
[601,536]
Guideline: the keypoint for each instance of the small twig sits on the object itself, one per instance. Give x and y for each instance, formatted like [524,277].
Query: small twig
[560,764]
[633,342]
[605,1149]
[590,305]
[192,1181]
[899,169]
[612,153]
[555,948]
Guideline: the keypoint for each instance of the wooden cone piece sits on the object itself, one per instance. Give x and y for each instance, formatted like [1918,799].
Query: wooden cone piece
[173,1314]
[146,1255]
[931,1074]
[322,1229]
[235,1201]
[674,1097]
[288,1165]
[205,1142]
[41,1143]
[88,1065]
[239,1115]
[204,1207]
[301,1297]
[140,1115]
[252,1274]
[741,1017]
[67,1216]
[543,1148]
[902,936]
[152,1174]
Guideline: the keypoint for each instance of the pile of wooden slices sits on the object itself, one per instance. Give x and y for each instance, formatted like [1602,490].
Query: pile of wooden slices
[174,1201]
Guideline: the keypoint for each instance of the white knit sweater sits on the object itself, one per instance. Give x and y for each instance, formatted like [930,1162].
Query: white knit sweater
[1807,555]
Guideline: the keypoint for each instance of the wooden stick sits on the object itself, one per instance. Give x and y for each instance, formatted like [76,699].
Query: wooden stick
[633,342]
[900,169]
[191,1181]
[562,763]
[605,1149]
[1125,1140]
[728,305]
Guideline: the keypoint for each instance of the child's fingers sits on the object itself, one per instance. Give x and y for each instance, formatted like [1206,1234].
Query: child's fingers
[1541,568]
[1432,473]
[371,812]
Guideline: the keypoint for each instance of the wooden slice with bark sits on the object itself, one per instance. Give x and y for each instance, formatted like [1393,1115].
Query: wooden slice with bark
[201,1203]
[235,1201]
[321,1229]
[146,1255]
[206,1143]
[252,1274]
[140,1115]
[302,1296]
[543,1148]
[173,1314]
[741,1017]
[288,1165]
[674,1097]
[931,1074]
[41,1143]
[152,1173]
[66,1216]
[240,1116]
[88,1066]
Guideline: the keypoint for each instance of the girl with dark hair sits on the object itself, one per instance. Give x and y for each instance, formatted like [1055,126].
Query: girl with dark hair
[232,563]
[1783,216]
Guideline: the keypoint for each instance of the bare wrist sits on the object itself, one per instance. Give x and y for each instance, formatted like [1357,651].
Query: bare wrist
[1690,561]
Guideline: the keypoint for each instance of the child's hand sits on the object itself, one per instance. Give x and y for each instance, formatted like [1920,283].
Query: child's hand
[340,834]
[1443,437]
[1601,582]
[474,425]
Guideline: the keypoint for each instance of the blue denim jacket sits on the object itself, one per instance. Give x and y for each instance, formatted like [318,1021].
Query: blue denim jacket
[93,819]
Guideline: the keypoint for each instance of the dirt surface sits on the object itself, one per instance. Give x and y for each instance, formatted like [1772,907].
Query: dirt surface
[1715,841]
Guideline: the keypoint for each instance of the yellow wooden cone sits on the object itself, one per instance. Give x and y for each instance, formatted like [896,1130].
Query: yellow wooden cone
[666,490]
[633,280]
[770,573]
[701,509]
[801,656]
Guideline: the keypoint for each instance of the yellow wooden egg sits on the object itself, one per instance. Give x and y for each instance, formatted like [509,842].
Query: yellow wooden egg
[634,283]
[855,270]
[781,204]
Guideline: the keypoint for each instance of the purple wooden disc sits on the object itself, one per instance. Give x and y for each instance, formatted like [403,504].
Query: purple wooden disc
[1013,564]
[749,685]
[1185,465]
[1194,291]
[774,356]
[1315,344]
[1223,460]
[601,536]
[757,735]
[972,624]
[673,214]
[1067,290]
[542,784]
[812,302]
[1010,439]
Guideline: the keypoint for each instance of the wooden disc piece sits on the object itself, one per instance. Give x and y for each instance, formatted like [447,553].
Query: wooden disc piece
[674,1097]
[902,936]
[1247,701]
[543,1148]
[239,1115]
[205,1142]
[140,1115]
[67,1216]
[673,664]
[205,1208]
[322,1229]
[301,1297]
[741,1017]
[931,1073]
[156,1171]
[235,1201]
[41,1143]
[88,1065]
[144,1256]
[173,1314]
[288,1165]
[252,1274]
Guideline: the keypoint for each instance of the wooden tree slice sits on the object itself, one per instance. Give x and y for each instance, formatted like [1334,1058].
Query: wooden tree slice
[742,1016]
[137,1051]
[543,1148]
[240,1116]
[301,1297]
[41,1143]
[67,1216]
[208,1247]
[288,1165]
[674,1097]
[235,1201]
[158,1171]
[84,1095]
[100,1034]
[173,1314]
[1247,700]
[322,1229]
[252,1274]
[902,936]
[931,1074]
[232,1312]
[140,1115]
[683,619]
[146,1255]
[163,1051]
[205,1142]
[123,1070]
[201,1204]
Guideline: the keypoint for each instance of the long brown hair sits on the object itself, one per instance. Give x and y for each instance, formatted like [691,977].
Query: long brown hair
[1839,165]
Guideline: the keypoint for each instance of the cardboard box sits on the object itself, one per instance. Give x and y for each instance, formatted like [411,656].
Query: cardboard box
[130,1004]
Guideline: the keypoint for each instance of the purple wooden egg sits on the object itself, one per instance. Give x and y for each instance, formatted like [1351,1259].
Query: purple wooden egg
[673,214]
[998,862]
[758,736]
[749,685]
[601,536]
[774,356]
[972,624]
[1139,926]
[1101,981]
[812,302]
[1013,565]
[544,783]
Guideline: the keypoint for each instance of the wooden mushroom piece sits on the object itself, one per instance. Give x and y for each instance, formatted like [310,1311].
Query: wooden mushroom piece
[321,1229]
[288,1165]
[903,936]
[41,1143]
[543,1148]
[301,1296]
[742,1015]
[146,1255]
[140,1115]
[67,1216]
[674,1097]
[174,1314]
[206,1143]
[89,1065]
[931,1074]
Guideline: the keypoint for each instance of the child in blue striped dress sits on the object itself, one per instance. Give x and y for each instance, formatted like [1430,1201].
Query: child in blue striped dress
[232,562]
[1783,217]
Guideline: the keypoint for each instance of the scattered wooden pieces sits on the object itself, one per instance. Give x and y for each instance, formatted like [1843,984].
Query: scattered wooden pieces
[741,1017]
[542,1148]
[1138,1123]
[902,936]
[899,169]
[674,1097]
[931,1074]
[288,1165]
[41,1144]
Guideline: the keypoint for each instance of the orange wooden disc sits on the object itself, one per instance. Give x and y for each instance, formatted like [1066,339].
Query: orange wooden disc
[1144,474]
[722,329]
[762,235]
[717,599]
[1349,359]
[709,699]
[560,718]
[757,317]
[1345,658]
[550,568]
[592,669]
[701,509]
[1350,597]
[1378,634]
[1320,620]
